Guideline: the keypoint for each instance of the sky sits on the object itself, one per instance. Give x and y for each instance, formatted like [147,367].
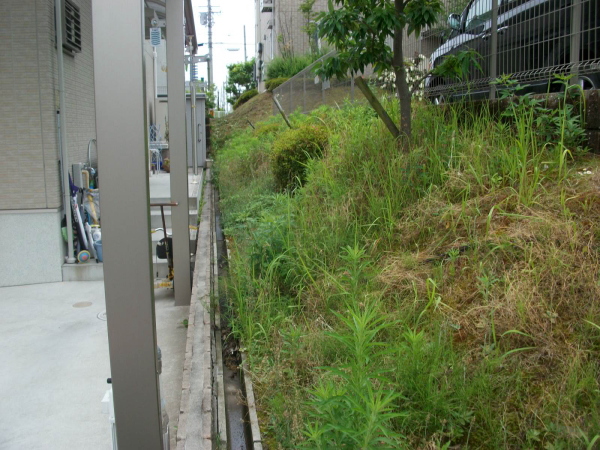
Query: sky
[229,17]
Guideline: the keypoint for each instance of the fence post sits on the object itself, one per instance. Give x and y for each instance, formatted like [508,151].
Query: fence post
[575,39]
[304,92]
[291,96]
[494,49]
[352,87]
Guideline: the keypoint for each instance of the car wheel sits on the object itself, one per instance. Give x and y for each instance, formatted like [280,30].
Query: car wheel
[586,82]
[438,100]
[589,81]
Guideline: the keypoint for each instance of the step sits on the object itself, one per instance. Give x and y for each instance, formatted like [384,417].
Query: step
[89,271]
[156,218]
[160,268]
[92,271]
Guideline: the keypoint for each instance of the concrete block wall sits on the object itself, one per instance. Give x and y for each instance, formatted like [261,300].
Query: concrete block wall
[29,172]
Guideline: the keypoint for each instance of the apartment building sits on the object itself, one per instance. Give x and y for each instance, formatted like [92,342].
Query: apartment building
[280,29]
[32,248]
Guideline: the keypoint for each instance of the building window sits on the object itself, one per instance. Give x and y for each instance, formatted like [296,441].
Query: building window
[71,27]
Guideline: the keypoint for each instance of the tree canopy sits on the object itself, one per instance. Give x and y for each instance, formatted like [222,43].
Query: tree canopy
[240,79]
[359,29]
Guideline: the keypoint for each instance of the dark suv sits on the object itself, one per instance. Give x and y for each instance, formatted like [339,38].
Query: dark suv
[534,42]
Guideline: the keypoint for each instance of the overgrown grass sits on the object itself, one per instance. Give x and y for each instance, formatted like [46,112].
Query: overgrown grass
[287,67]
[444,298]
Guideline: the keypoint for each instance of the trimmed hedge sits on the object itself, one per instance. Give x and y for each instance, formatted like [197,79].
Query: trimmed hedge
[247,95]
[291,151]
[275,83]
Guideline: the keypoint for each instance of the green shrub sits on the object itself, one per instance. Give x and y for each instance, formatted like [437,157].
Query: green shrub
[245,97]
[275,83]
[291,151]
[281,67]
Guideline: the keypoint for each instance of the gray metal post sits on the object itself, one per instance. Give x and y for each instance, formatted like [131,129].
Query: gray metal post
[304,92]
[494,49]
[178,152]
[62,132]
[575,39]
[122,130]
[201,129]
[209,64]
[194,117]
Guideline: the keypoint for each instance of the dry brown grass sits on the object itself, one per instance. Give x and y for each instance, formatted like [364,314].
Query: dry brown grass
[254,110]
[500,267]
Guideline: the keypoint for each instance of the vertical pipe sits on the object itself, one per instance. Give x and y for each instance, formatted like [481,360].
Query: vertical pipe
[62,132]
[178,151]
[122,133]
[575,39]
[194,148]
[155,74]
[210,48]
[245,54]
[493,52]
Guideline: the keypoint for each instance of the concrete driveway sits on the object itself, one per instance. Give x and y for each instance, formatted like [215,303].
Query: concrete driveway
[54,359]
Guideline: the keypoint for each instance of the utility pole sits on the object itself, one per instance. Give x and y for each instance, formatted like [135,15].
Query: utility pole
[210,45]
[245,55]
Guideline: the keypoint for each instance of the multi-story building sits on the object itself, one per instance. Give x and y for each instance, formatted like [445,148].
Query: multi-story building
[32,249]
[282,30]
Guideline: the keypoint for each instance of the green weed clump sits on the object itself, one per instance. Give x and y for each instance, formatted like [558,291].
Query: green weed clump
[267,128]
[446,297]
[247,95]
[291,152]
[287,67]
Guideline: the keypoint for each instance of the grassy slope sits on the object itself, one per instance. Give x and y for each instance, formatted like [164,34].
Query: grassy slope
[254,110]
[473,262]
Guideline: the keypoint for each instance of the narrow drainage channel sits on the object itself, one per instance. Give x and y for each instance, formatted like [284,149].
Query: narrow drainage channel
[238,430]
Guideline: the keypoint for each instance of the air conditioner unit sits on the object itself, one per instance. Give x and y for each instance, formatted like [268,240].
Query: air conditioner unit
[266,5]
[260,47]
[270,24]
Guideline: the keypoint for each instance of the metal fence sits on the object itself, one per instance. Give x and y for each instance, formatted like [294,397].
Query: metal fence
[306,91]
[530,40]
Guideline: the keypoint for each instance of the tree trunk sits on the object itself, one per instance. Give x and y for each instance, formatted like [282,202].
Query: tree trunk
[399,70]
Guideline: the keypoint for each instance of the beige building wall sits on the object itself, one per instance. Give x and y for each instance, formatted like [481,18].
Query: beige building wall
[281,31]
[30,186]
[29,167]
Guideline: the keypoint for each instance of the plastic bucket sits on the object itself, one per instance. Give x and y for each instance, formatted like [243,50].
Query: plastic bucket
[98,247]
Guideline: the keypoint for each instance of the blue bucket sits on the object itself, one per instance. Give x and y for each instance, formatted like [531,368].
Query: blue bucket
[98,247]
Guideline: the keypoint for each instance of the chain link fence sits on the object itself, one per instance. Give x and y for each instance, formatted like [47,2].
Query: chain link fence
[530,40]
[305,91]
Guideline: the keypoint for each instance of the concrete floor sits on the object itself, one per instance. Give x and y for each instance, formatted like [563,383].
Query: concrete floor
[54,359]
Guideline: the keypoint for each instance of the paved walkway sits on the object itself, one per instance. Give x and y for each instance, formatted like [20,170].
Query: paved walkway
[54,359]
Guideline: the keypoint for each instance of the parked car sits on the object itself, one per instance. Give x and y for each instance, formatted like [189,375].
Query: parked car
[534,42]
